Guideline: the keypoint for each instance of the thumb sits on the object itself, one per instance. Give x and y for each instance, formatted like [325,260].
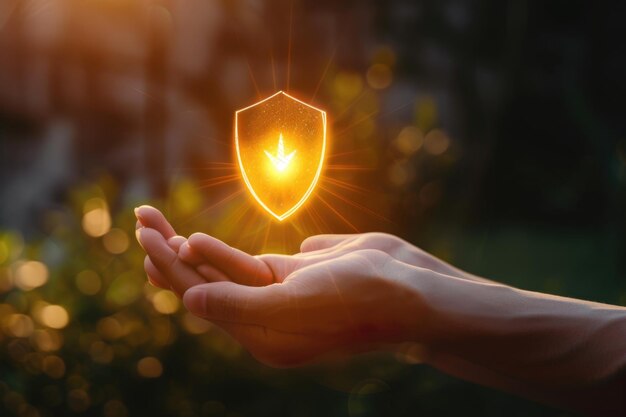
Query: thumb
[234,303]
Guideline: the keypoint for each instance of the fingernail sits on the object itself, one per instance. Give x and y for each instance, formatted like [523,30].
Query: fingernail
[183,251]
[136,211]
[138,236]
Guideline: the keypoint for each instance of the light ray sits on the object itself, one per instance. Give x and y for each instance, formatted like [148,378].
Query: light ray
[348,186]
[349,106]
[328,64]
[348,167]
[213,182]
[341,216]
[237,214]
[266,238]
[256,86]
[221,142]
[254,228]
[355,204]
[289,46]
[346,153]
[273,68]
[211,207]
[358,122]
[221,163]
[316,225]
[299,228]
[320,219]
[218,168]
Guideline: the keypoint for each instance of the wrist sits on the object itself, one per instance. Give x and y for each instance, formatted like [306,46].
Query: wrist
[538,337]
[447,310]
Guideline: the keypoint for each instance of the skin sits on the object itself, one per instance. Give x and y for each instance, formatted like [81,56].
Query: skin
[344,294]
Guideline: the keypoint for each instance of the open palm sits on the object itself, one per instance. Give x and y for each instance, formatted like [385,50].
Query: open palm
[285,309]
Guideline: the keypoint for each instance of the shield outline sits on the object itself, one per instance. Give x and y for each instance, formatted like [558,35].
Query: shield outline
[281,217]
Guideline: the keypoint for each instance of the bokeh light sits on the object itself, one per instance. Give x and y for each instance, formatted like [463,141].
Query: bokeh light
[96,218]
[472,152]
[114,408]
[47,340]
[400,172]
[101,352]
[347,85]
[78,400]
[165,302]
[194,324]
[54,316]
[116,241]
[436,142]
[6,279]
[379,76]
[110,328]
[18,325]
[149,367]
[30,275]
[409,140]
[54,366]
[88,282]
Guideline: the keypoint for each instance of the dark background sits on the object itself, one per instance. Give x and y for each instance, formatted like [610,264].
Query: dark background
[514,168]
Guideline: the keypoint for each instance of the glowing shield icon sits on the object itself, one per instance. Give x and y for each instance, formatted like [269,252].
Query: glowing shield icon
[281,144]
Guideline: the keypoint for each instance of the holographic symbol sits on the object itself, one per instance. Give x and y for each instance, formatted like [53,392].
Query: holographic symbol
[280,161]
[280,143]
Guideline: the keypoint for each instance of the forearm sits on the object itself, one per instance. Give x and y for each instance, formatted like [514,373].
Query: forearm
[526,341]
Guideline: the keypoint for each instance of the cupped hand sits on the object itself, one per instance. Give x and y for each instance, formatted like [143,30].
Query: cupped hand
[347,293]
[288,309]
[205,253]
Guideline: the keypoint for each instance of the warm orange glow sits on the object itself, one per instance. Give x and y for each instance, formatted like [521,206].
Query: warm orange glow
[165,302]
[280,144]
[54,316]
[96,217]
[280,160]
[30,275]
[116,241]
[18,325]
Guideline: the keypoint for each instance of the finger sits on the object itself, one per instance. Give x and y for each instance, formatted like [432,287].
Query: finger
[178,274]
[318,242]
[211,274]
[156,278]
[176,242]
[191,256]
[154,275]
[150,217]
[233,303]
[239,266]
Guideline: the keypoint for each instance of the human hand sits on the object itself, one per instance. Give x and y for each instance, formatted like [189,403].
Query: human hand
[339,295]
[394,246]
[350,293]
